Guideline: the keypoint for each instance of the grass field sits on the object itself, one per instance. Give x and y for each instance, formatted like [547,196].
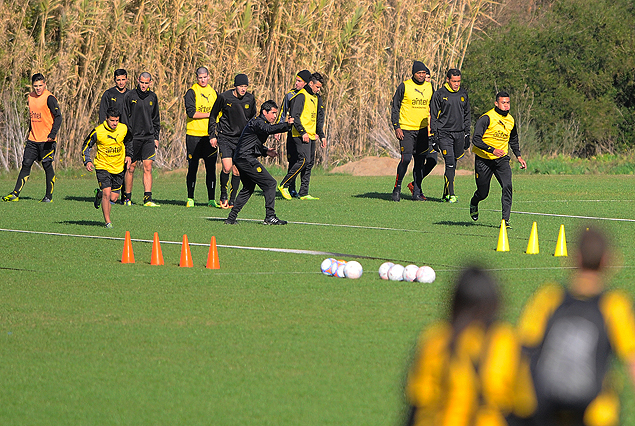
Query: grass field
[267,339]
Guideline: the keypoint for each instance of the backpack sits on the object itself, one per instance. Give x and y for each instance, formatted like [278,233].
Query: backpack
[569,366]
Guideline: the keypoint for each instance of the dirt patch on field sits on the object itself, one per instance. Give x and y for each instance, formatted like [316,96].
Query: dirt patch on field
[383,166]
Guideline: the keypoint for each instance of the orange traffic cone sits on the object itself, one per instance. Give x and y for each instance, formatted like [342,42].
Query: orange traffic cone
[186,256]
[212,257]
[157,255]
[128,255]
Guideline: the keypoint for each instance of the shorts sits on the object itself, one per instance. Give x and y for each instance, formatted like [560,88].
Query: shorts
[143,149]
[38,151]
[414,141]
[109,180]
[227,145]
[199,147]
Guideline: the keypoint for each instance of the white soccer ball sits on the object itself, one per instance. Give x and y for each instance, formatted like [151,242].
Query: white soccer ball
[426,274]
[327,266]
[383,270]
[340,269]
[410,273]
[396,273]
[353,269]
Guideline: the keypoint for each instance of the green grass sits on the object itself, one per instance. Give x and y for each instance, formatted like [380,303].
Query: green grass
[266,339]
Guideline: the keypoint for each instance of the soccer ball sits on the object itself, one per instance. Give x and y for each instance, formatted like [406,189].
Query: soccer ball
[339,273]
[396,273]
[353,269]
[327,266]
[383,270]
[426,274]
[410,273]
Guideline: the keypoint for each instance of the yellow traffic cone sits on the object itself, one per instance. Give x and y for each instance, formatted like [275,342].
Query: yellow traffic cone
[532,246]
[561,245]
[503,244]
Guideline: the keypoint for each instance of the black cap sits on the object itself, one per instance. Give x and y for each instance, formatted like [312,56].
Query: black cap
[241,80]
[305,75]
[419,66]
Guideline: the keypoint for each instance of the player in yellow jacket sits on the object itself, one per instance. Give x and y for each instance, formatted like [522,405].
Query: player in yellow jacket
[466,370]
[113,146]
[572,335]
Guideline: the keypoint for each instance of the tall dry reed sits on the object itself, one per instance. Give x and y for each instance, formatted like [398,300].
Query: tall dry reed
[364,49]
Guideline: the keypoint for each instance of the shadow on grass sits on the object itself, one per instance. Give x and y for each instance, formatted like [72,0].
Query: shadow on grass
[388,197]
[81,199]
[464,223]
[83,222]
[16,269]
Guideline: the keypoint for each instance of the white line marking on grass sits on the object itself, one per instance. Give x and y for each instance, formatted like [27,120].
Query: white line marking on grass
[336,225]
[614,219]
[271,249]
[571,201]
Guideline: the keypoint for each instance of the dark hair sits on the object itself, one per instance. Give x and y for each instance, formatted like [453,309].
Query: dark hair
[119,72]
[146,74]
[113,112]
[453,72]
[201,70]
[501,94]
[37,77]
[316,76]
[475,298]
[593,246]
[268,106]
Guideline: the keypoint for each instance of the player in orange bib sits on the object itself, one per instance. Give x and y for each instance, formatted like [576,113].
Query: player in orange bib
[45,121]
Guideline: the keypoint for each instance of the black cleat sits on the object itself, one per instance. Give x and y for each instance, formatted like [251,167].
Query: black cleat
[230,221]
[273,220]
[419,197]
[474,212]
[46,200]
[396,193]
[294,193]
[507,225]
[98,195]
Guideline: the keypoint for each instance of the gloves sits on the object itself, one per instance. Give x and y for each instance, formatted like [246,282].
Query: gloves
[466,145]
[434,143]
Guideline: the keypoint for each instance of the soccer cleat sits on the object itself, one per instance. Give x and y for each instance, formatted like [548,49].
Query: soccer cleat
[419,197]
[294,194]
[108,225]
[285,192]
[273,220]
[411,187]
[150,203]
[474,212]
[507,225]
[10,197]
[309,197]
[98,195]
[213,203]
[453,199]
[127,203]
[47,200]
[396,193]
[445,198]
[230,221]
[190,202]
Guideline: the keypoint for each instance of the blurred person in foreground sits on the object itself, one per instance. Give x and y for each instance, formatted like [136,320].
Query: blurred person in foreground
[466,369]
[571,334]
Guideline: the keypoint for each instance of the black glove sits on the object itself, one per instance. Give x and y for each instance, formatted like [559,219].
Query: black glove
[466,145]
[434,143]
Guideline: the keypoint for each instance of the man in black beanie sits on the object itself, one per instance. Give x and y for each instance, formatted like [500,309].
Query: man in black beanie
[301,79]
[237,107]
[410,114]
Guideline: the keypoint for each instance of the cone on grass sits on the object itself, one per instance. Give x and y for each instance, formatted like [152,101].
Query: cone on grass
[212,257]
[186,255]
[503,243]
[561,244]
[128,255]
[157,255]
[532,246]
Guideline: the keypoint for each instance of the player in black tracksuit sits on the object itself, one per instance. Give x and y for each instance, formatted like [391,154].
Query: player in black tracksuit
[450,125]
[141,115]
[237,107]
[301,79]
[251,145]
[113,97]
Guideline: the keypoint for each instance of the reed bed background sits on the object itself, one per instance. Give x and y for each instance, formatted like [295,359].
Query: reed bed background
[364,49]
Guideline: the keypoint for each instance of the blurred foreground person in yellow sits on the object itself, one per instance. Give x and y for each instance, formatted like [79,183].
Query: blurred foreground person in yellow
[466,369]
[572,335]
